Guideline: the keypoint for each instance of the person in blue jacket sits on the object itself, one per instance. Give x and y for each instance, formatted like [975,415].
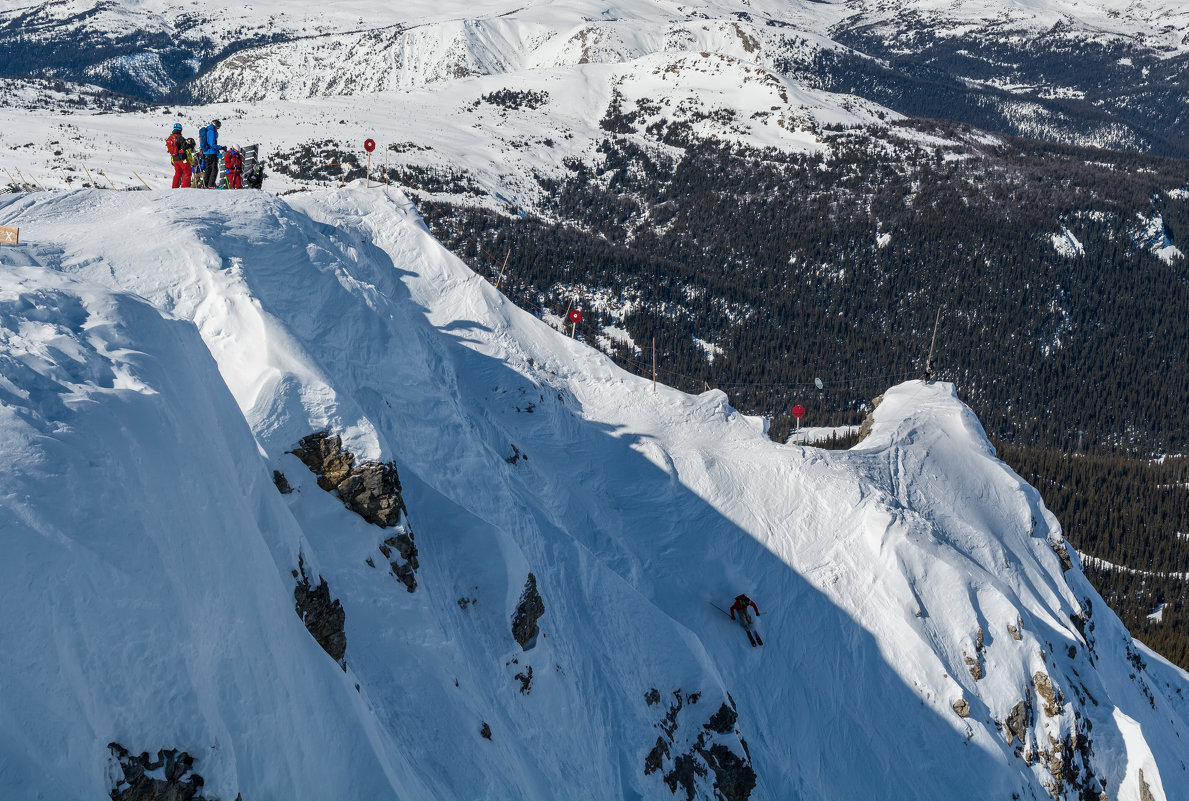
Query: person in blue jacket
[210,150]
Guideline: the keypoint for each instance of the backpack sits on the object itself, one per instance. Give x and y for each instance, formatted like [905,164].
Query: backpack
[174,145]
[202,139]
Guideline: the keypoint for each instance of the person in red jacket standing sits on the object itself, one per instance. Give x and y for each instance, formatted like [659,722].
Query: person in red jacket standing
[233,161]
[176,145]
[740,606]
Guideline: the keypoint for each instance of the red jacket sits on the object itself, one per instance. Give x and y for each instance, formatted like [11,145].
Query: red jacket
[741,604]
[233,161]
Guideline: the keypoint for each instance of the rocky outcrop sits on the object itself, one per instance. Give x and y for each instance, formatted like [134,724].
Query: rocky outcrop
[704,755]
[322,615]
[168,777]
[371,490]
[869,419]
[962,708]
[1019,721]
[528,612]
[1054,701]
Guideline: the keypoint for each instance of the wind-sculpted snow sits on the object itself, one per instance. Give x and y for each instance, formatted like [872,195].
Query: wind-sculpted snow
[162,354]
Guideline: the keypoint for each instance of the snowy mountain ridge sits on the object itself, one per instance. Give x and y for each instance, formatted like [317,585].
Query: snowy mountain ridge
[928,632]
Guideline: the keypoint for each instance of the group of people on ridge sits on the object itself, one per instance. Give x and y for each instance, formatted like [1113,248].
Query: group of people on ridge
[197,163]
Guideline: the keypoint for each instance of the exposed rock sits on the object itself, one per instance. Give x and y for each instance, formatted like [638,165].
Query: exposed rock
[405,561]
[525,677]
[282,483]
[656,757]
[962,707]
[1062,552]
[701,754]
[1019,721]
[978,642]
[485,731]
[371,490]
[1145,792]
[1014,630]
[734,778]
[1054,701]
[976,670]
[722,721]
[869,418]
[179,782]
[322,615]
[528,612]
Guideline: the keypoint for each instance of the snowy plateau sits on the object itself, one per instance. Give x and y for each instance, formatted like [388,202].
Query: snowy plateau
[297,506]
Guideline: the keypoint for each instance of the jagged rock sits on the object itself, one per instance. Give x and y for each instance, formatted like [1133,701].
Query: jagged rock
[528,612]
[962,708]
[722,721]
[1145,792]
[656,757]
[322,615]
[1054,701]
[734,778]
[869,418]
[407,551]
[1018,721]
[652,697]
[282,483]
[978,642]
[180,782]
[371,490]
[1014,630]
[1062,552]
[976,670]
[485,731]
[525,677]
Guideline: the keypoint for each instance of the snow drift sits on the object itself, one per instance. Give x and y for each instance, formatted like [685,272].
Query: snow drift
[164,356]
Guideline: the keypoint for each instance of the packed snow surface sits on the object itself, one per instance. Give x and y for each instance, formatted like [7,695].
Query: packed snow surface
[160,355]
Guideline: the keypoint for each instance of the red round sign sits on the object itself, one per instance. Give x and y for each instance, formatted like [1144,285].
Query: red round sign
[575,316]
[798,411]
[369,145]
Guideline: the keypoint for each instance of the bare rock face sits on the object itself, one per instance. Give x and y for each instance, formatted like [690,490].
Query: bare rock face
[962,708]
[528,612]
[322,615]
[172,776]
[702,756]
[869,418]
[371,490]
[1054,701]
[1018,721]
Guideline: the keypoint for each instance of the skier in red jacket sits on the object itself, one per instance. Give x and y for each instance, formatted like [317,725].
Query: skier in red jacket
[740,605]
[176,145]
[234,164]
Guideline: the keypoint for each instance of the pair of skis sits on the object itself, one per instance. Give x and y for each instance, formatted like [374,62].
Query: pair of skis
[753,637]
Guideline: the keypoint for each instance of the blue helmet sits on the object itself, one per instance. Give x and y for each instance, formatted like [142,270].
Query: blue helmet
[177,126]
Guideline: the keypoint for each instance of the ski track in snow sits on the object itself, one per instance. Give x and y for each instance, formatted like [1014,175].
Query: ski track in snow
[162,353]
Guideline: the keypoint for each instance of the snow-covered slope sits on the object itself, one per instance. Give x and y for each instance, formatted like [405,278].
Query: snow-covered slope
[163,355]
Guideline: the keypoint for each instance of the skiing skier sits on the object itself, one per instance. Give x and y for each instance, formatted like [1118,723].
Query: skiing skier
[176,145]
[740,605]
[234,163]
[210,152]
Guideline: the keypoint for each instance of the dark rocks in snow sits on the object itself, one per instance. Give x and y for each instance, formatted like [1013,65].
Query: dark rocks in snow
[485,731]
[1062,550]
[972,664]
[406,563]
[1054,701]
[1019,721]
[282,483]
[173,777]
[962,708]
[525,677]
[371,490]
[528,612]
[869,418]
[1014,630]
[722,721]
[322,615]
[704,752]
